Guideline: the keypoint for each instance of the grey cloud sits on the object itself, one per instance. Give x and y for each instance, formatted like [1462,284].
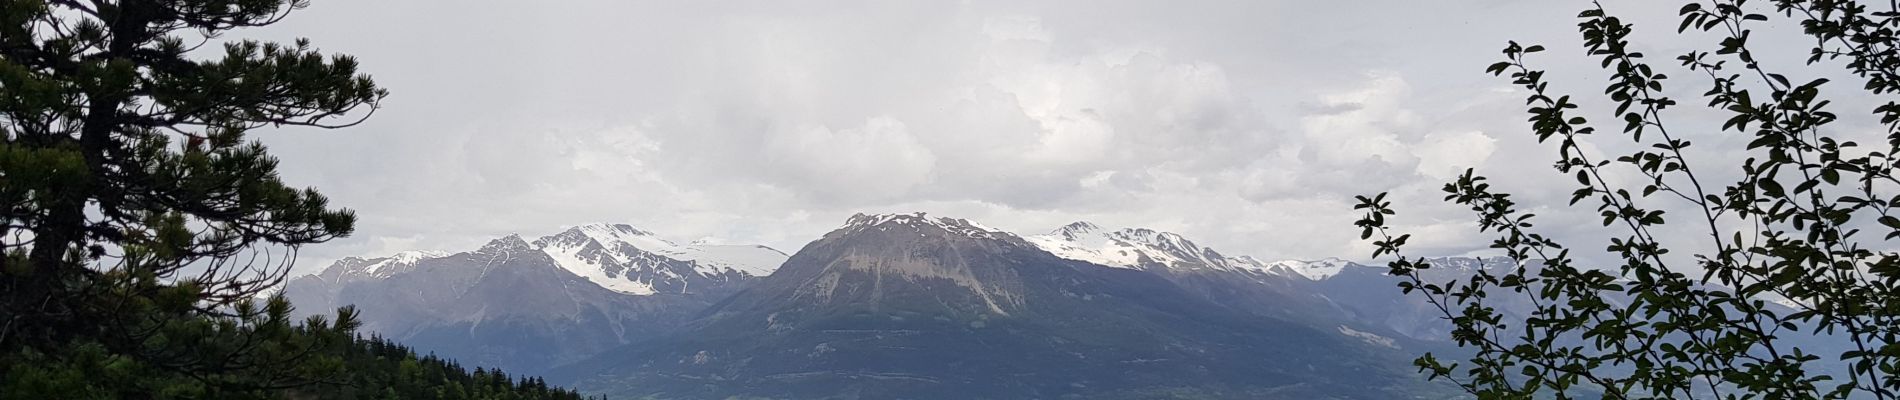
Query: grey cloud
[1247,125]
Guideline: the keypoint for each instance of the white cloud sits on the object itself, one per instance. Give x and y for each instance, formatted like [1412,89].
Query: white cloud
[1248,126]
[1444,155]
[877,161]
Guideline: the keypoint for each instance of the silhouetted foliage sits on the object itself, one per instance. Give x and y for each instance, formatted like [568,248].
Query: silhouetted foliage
[1810,220]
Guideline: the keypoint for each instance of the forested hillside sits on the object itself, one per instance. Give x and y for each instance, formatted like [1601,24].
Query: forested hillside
[380,369]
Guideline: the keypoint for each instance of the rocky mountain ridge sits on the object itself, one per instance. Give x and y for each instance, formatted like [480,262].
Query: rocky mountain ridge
[530,305]
[909,306]
[613,307]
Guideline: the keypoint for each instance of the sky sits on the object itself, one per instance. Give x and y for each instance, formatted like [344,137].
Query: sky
[1245,125]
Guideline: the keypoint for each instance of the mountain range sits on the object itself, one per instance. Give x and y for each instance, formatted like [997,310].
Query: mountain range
[901,306]
[527,306]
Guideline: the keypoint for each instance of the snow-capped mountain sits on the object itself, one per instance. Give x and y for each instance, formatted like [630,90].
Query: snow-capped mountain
[910,306]
[1287,289]
[893,304]
[1317,270]
[1148,249]
[528,305]
[1134,248]
[617,257]
[399,262]
[628,260]
[916,222]
[379,267]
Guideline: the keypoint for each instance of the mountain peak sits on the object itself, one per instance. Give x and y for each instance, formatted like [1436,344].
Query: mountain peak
[1136,248]
[404,258]
[417,255]
[862,219]
[506,244]
[917,221]
[1168,241]
[918,298]
[905,260]
[630,260]
[375,267]
[1076,230]
[607,236]
[605,232]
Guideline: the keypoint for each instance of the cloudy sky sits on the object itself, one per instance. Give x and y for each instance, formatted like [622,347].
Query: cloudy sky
[1247,125]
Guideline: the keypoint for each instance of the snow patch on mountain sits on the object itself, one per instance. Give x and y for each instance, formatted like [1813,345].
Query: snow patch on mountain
[1141,248]
[918,222]
[1317,270]
[1083,241]
[1136,248]
[617,257]
[626,259]
[402,259]
[1469,264]
[712,259]
[1368,337]
[576,258]
[752,260]
[379,267]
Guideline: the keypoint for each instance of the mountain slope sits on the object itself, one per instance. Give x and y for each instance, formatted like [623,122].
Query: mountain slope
[1283,289]
[632,261]
[527,306]
[906,306]
[1369,294]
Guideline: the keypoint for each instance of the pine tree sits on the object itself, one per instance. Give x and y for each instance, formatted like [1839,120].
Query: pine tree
[141,225]
[143,231]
